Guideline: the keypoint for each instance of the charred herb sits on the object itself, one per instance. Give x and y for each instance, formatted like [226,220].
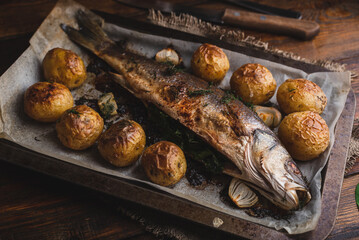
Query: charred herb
[230,96]
[73,111]
[196,174]
[172,69]
[98,66]
[92,103]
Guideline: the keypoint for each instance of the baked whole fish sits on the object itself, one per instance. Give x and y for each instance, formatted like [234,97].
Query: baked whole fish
[229,126]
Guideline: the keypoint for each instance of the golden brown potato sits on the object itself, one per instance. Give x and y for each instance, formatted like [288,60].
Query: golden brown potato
[122,143]
[296,95]
[164,163]
[65,67]
[210,63]
[79,127]
[253,83]
[304,134]
[46,102]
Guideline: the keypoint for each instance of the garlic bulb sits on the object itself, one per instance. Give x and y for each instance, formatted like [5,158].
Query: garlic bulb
[269,115]
[241,195]
[168,55]
[107,104]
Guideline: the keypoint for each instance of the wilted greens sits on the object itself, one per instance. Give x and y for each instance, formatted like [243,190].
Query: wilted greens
[193,147]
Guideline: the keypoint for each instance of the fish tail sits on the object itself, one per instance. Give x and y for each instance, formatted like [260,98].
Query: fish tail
[91,35]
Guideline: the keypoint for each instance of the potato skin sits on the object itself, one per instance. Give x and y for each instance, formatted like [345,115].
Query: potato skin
[164,163]
[65,67]
[210,63]
[296,95]
[79,127]
[254,83]
[46,102]
[304,134]
[123,143]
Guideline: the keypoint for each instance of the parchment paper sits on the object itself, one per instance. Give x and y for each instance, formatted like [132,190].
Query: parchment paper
[17,127]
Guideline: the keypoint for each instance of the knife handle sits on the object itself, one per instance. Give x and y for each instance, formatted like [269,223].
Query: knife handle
[302,29]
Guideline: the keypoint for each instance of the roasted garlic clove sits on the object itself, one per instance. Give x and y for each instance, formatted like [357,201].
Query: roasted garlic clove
[269,115]
[107,104]
[168,55]
[241,195]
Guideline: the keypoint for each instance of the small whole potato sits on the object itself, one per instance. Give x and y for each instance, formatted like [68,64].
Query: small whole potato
[210,63]
[122,143]
[296,95]
[79,127]
[46,102]
[65,67]
[164,163]
[304,134]
[253,83]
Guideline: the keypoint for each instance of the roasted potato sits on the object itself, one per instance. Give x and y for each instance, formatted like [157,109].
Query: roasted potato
[253,83]
[210,63]
[65,67]
[122,143]
[296,95]
[46,102]
[164,163]
[79,127]
[304,134]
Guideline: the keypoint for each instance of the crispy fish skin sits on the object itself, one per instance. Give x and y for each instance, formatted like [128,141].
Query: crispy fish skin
[229,126]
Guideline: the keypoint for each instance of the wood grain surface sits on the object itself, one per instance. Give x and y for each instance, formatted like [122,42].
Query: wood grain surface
[34,206]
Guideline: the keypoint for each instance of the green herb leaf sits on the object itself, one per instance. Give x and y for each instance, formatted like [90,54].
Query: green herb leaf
[248,104]
[73,111]
[291,90]
[228,97]
[357,195]
[172,69]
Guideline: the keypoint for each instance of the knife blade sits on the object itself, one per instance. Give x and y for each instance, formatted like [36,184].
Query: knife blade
[302,29]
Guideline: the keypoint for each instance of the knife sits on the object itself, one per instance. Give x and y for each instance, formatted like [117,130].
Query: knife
[257,7]
[302,29]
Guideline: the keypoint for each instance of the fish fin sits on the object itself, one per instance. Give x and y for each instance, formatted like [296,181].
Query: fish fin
[120,79]
[91,35]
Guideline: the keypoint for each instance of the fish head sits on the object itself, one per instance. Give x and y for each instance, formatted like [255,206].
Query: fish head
[281,180]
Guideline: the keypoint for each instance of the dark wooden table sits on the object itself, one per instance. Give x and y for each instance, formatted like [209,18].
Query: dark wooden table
[35,206]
